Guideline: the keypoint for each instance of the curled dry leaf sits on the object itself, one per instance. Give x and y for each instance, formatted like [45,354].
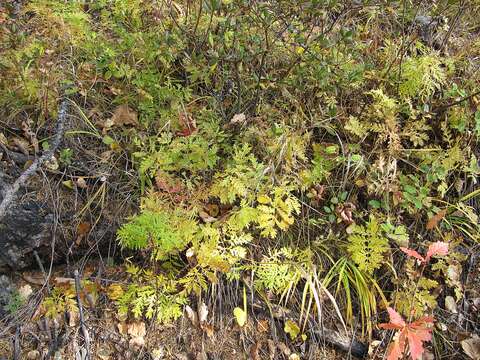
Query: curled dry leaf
[25,291]
[263,326]
[192,316]
[122,116]
[450,304]
[136,329]
[435,219]
[238,119]
[81,183]
[471,347]
[202,313]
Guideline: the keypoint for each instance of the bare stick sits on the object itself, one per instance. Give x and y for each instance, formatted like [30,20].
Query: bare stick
[47,155]
[80,312]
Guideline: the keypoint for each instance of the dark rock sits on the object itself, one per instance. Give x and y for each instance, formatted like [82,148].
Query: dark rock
[26,227]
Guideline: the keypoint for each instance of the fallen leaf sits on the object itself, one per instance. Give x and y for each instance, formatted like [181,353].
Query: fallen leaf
[208,328]
[284,349]
[202,313]
[81,183]
[254,355]
[263,326]
[122,328]
[167,183]
[206,217]
[25,291]
[413,253]
[292,329]
[115,291]
[104,353]
[136,329]
[187,124]
[51,164]
[73,318]
[21,145]
[240,316]
[450,304]
[272,349]
[68,184]
[435,219]
[471,347]
[437,248]
[238,119]
[192,316]
[34,278]
[83,229]
[33,354]
[123,115]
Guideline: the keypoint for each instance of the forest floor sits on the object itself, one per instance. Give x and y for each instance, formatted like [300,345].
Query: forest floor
[223,179]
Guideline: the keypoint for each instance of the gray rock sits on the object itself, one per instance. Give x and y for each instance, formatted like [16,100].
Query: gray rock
[26,227]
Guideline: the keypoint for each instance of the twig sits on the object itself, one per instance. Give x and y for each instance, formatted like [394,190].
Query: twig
[42,269]
[80,312]
[12,190]
[16,344]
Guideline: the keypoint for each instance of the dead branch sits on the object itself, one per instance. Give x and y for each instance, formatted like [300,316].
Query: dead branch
[10,191]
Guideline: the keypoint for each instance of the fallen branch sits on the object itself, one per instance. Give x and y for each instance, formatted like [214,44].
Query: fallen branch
[10,191]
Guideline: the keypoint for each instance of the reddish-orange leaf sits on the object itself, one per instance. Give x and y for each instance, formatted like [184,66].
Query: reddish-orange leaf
[396,349]
[413,253]
[416,338]
[437,248]
[435,219]
[416,333]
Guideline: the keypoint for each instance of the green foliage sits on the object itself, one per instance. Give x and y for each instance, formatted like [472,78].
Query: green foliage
[242,175]
[15,302]
[368,245]
[157,231]
[281,270]
[422,76]
[152,296]
[59,301]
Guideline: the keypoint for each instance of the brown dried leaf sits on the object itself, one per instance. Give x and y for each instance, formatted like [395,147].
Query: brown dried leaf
[471,347]
[81,183]
[192,316]
[21,144]
[202,313]
[136,329]
[123,115]
[122,328]
[435,219]
[263,325]
[238,119]
[254,355]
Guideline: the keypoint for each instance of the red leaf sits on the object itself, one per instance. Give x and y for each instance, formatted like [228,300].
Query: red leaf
[397,347]
[416,338]
[437,248]
[416,333]
[413,253]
